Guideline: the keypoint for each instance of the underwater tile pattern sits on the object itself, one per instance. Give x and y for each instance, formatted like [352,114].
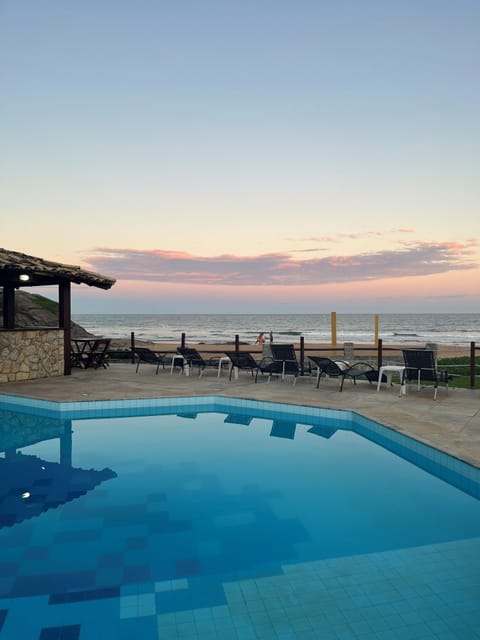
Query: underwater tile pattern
[419,593]
[228,589]
[69,632]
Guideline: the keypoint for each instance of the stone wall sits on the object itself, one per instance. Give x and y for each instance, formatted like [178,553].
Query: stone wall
[30,353]
[18,430]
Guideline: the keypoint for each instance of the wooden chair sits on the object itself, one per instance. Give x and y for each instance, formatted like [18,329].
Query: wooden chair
[98,355]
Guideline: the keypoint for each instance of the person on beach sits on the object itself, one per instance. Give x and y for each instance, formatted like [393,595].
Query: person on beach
[260,339]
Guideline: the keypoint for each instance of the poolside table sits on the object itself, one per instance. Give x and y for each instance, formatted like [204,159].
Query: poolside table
[389,370]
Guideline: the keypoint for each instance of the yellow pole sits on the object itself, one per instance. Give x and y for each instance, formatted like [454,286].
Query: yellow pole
[334,327]
[376,329]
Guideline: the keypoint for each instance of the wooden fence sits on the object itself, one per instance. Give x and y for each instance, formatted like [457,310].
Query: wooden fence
[348,350]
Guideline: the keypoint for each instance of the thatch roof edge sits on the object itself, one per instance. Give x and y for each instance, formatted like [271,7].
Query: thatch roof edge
[14,261]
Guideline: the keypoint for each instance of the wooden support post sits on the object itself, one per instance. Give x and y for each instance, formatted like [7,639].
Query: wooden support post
[8,306]
[66,445]
[376,324]
[183,341]
[65,323]
[237,343]
[333,322]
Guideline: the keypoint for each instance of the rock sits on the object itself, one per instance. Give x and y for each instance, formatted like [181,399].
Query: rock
[33,310]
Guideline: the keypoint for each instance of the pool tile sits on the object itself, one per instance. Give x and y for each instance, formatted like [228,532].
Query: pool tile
[69,632]
[83,596]
[171,585]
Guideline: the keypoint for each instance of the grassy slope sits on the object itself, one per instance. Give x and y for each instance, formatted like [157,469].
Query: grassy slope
[460,367]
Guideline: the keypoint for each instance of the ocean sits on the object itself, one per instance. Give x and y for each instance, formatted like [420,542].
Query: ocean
[395,328]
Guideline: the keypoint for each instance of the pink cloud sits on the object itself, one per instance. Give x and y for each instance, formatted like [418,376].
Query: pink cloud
[411,260]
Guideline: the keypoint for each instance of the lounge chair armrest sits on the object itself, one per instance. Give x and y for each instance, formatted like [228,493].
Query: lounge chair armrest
[342,363]
[361,365]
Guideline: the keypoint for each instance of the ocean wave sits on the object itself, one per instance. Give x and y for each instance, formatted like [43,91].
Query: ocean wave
[290,332]
[219,329]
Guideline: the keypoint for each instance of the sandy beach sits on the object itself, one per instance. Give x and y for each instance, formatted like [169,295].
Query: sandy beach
[366,350]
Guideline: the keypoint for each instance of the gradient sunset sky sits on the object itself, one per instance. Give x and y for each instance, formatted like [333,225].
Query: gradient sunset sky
[246,156]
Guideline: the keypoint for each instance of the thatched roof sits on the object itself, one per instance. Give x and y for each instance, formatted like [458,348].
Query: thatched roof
[52,484]
[44,272]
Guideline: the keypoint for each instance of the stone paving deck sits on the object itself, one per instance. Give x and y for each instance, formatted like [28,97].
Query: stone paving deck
[451,423]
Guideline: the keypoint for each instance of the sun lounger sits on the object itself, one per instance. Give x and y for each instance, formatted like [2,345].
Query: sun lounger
[323,432]
[283,429]
[233,418]
[193,358]
[341,369]
[148,356]
[243,360]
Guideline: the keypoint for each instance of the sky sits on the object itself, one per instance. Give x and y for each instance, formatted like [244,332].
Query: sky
[237,156]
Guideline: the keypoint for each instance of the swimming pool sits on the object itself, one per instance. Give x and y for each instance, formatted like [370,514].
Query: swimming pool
[218,518]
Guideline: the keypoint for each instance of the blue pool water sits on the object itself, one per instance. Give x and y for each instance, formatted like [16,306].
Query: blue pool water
[216,518]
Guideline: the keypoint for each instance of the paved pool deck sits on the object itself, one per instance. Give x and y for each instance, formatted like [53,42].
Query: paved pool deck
[450,424]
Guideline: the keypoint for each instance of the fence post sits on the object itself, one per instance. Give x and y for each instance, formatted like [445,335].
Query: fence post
[472,365]
[349,351]
[182,344]
[302,355]
[132,347]
[237,343]
[379,354]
